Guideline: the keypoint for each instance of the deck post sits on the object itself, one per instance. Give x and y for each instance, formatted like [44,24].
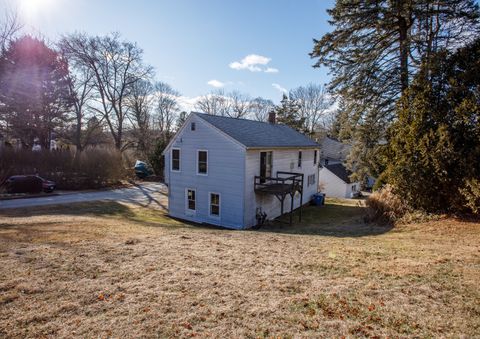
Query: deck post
[292,195]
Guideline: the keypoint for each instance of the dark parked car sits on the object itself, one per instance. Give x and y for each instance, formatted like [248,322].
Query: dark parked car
[28,184]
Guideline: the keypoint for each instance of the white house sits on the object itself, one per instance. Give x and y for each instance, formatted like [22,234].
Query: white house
[334,181]
[236,173]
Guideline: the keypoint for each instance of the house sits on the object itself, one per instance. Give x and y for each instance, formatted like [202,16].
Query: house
[336,152]
[237,173]
[334,180]
[333,151]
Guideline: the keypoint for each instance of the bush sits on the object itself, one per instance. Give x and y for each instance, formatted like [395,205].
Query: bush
[156,159]
[471,194]
[386,206]
[92,168]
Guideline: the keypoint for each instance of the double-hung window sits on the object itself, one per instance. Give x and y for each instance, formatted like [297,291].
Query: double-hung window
[214,204]
[191,199]
[299,159]
[202,160]
[175,159]
[315,157]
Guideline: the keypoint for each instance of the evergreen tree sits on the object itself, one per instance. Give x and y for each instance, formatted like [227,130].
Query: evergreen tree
[435,143]
[376,48]
[288,113]
[34,93]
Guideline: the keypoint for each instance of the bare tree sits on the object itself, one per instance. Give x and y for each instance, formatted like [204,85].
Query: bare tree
[240,104]
[314,102]
[167,107]
[260,107]
[140,102]
[215,103]
[116,65]
[10,25]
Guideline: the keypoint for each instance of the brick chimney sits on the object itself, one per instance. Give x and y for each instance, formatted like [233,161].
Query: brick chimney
[272,117]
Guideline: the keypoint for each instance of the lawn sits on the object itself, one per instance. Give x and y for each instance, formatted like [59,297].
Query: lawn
[112,270]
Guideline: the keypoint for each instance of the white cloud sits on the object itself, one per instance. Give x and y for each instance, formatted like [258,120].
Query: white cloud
[253,63]
[187,104]
[216,83]
[279,88]
[271,70]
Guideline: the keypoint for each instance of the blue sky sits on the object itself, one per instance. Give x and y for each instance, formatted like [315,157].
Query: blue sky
[192,42]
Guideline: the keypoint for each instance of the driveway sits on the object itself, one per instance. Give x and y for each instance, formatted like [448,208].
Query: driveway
[145,195]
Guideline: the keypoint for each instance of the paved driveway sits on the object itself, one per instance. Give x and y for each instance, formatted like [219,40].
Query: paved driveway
[147,194]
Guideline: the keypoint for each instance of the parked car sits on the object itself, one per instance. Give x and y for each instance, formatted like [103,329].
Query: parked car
[142,170]
[29,184]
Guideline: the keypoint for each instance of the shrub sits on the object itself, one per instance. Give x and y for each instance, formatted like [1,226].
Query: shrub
[471,194]
[386,206]
[156,159]
[92,168]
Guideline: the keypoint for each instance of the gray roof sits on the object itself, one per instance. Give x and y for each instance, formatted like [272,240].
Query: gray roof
[340,171]
[333,149]
[257,134]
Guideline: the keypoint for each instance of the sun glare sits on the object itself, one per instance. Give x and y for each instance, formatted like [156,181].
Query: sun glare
[34,8]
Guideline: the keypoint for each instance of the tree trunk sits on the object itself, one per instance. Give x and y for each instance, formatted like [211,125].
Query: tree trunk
[404,48]
[78,133]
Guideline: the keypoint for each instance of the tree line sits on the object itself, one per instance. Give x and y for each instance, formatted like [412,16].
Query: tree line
[91,90]
[403,72]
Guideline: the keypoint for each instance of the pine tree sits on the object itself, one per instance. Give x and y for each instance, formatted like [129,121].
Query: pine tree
[434,149]
[288,113]
[33,90]
[378,46]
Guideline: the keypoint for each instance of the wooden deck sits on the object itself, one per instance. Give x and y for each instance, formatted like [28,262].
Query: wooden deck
[285,183]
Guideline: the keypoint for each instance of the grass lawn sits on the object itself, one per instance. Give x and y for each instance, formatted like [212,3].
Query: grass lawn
[112,270]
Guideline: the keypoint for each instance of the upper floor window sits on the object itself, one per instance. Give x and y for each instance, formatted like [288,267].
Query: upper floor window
[175,159]
[192,126]
[299,159]
[315,157]
[202,159]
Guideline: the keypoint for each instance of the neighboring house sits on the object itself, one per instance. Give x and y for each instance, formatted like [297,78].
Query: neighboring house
[236,173]
[335,181]
[336,152]
[333,151]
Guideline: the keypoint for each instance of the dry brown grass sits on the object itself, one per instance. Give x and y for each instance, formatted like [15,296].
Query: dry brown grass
[110,270]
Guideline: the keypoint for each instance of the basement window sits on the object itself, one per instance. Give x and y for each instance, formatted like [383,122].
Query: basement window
[214,204]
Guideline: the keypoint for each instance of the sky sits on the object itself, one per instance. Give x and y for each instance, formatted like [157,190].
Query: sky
[258,47]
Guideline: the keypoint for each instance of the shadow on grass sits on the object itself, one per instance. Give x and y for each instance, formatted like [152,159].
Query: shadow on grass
[99,209]
[333,219]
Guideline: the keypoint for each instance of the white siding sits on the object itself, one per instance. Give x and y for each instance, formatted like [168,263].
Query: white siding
[282,161]
[226,160]
[333,186]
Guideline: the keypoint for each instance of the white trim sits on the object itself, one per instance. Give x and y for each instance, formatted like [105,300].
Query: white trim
[179,159]
[188,211]
[196,164]
[210,205]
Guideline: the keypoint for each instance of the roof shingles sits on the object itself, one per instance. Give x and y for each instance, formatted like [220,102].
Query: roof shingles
[257,134]
[340,171]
